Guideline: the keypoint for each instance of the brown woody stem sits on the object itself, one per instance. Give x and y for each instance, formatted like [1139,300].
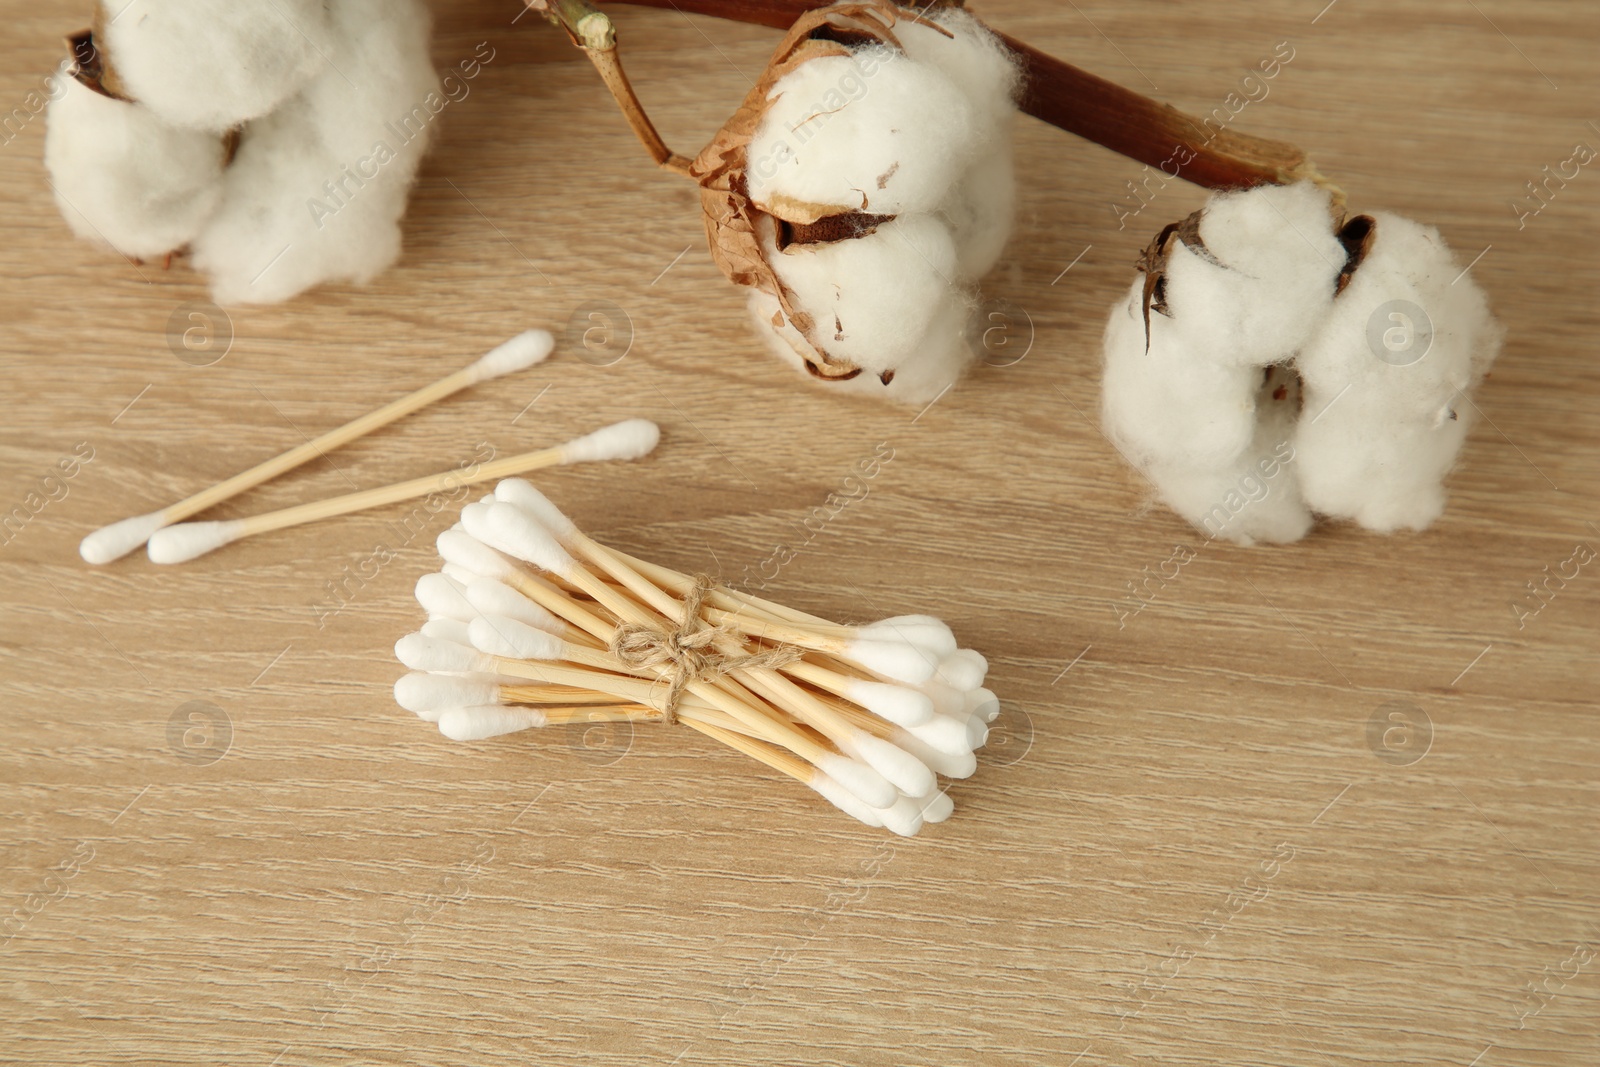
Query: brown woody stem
[592,31]
[1081,103]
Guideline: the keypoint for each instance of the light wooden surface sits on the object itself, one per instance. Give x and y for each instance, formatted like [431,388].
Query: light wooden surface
[1182,850]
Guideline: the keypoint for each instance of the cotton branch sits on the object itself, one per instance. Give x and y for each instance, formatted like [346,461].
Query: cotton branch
[1087,105]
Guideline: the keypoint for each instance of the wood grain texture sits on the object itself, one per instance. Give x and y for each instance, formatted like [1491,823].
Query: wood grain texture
[1184,851]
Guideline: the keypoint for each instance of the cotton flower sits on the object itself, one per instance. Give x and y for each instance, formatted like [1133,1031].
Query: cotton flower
[318,187]
[123,176]
[863,189]
[1389,378]
[1200,392]
[276,142]
[213,64]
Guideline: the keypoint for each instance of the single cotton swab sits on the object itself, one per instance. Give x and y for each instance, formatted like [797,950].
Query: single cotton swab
[629,439]
[120,538]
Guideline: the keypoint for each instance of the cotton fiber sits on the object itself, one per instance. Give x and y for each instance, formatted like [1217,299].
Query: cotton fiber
[277,142]
[863,190]
[1269,364]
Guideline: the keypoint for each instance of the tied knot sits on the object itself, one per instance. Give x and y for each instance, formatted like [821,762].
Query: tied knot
[688,653]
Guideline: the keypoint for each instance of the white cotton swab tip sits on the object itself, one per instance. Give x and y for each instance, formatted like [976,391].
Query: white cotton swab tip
[964,668]
[893,659]
[629,439]
[492,597]
[189,540]
[517,533]
[925,631]
[477,723]
[903,770]
[475,520]
[518,492]
[454,630]
[497,635]
[951,736]
[519,353]
[120,538]
[461,548]
[426,695]
[957,765]
[442,596]
[903,817]
[936,808]
[897,704]
[423,653]
[843,799]
[982,704]
[457,572]
[864,783]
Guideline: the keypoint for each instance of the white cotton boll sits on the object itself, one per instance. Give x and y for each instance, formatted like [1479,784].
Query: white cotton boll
[928,367]
[124,177]
[981,204]
[980,211]
[1279,261]
[478,723]
[873,297]
[1386,378]
[213,64]
[888,303]
[1254,497]
[1169,403]
[317,188]
[972,56]
[873,131]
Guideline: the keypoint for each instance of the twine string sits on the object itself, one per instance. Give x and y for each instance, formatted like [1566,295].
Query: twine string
[687,654]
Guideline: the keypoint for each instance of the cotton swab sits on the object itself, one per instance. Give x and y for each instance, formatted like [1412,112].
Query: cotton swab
[117,540]
[536,621]
[629,439]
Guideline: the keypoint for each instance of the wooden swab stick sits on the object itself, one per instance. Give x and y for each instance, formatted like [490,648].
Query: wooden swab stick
[906,648]
[624,440]
[894,765]
[120,538]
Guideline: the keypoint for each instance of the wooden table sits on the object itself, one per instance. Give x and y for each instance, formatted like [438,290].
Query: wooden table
[227,845]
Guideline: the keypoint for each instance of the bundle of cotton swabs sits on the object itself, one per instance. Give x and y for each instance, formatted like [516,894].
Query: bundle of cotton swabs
[532,623]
